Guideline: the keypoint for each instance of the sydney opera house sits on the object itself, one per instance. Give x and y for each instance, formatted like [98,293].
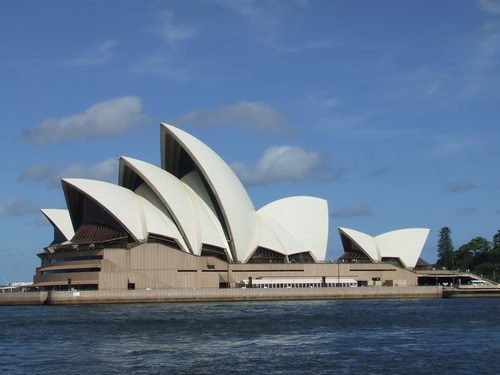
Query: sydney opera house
[191,224]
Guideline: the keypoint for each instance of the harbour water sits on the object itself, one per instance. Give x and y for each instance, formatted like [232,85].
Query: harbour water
[426,336]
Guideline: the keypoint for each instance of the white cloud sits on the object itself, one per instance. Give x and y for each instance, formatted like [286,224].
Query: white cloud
[99,54]
[474,74]
[280,163]
[354,211]
[362,125]
[172,32]
[36,172]
[268,21]
[321,102]
[281,48]
[168,61]
[490,6]
[487,51]
[446,146]
[491,25]
[480,70]
[247,8]
[105,170]
[16,207]
[103,119]
[423,83]
[249,115]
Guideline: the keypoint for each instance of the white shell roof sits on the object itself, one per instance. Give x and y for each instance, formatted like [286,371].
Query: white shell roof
[211,230]
[174,195]
[187,210]
[235,204]
[365,242]
[273,237]
[60,219]
[305,219]
[269,237]
[123,204]
[159,223]
[405,244]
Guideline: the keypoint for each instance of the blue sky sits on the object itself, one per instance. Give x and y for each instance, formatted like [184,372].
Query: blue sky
[388,109]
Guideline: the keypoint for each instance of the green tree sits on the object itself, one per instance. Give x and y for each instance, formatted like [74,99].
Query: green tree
[477,246]
[472,253]
[463,258]
[480,256]
[496,239]
[445,248]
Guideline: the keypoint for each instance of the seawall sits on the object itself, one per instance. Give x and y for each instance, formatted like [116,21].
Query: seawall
[206,295]
[475,292]
[23,298]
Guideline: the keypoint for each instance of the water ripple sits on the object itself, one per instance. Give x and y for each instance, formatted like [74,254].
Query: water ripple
[319,337]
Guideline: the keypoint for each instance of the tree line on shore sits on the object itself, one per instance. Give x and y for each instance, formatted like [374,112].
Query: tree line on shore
[479,255]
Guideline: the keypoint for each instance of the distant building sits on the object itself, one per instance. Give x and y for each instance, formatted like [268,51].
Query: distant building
[192,224]
[22,286]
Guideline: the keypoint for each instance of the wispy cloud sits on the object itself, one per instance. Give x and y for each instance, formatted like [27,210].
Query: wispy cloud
[256,116]
[473,74]
[167,61]
[37,172]
[422,83]
[363,125]
[16,207]
[444,146]
[482,69]
[487,51]
[460,186]
[280,163]
[99,54]
[106,170]
[170,31]
[104,119]
[321,102]
[490,6]
[267,20]
[352,211]
[491,25]
[281,48]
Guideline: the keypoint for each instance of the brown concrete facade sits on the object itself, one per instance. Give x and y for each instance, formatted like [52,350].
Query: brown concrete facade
[157,266]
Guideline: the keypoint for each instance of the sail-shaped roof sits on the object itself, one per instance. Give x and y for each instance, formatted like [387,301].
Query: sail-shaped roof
[172,193]
[304,217]
[122,204]
[403,244]
[364,242]
[60,219]
[180,153]
[195,199]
